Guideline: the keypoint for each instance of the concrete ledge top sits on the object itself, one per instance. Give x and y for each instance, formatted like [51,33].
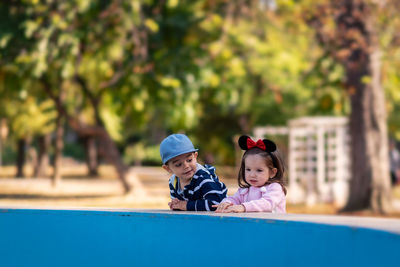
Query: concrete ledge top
[383,224]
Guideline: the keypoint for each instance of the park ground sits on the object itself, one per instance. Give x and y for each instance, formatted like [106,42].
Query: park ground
[79,191]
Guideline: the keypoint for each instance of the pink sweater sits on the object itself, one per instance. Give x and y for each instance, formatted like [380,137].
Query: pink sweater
[268,198]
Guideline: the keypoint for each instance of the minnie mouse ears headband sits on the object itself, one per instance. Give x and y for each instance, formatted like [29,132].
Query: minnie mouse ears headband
[268,146]
[246,143]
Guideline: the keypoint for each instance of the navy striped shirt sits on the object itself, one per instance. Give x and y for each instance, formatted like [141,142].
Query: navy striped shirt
[203,191]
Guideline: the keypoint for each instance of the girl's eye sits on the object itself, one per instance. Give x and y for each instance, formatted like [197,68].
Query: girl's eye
[247,170]
[260,170]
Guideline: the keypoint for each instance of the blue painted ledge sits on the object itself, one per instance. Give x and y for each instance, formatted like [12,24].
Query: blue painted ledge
[110,237]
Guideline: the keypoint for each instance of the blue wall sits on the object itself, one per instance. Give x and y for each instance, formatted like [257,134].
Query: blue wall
[110,238]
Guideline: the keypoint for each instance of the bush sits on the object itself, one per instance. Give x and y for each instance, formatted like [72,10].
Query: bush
[139,154]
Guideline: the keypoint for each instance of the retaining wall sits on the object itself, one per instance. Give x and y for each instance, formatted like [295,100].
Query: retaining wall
[35,237]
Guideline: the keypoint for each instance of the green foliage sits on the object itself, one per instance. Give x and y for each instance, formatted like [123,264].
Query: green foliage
[389,23]
[141,154]
[9,154]
[74,150]
[30,118]
[212,69]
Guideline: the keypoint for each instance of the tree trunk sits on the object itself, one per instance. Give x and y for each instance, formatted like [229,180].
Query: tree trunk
[370,182]
[353,41]
[91,156]
[1,149]
[112,155]
[21,156]
[111,152]
[59,146]
[244,123]
[40,170]
[100,132]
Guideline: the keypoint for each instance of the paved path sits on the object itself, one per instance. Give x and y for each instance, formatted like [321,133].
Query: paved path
[83,192]
[75,191]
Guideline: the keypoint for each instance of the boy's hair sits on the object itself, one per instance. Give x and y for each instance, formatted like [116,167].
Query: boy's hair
[273,159]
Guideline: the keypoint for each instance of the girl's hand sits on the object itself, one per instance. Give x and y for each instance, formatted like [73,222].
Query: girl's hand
[177,204]
[222,207]
[235,208]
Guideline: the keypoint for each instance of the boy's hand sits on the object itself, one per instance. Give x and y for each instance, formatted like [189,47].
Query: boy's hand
[222,207]
[177,204]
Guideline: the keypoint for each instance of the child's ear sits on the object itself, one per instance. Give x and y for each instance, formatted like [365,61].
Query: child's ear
[273,172]
[195,154]
[165,167]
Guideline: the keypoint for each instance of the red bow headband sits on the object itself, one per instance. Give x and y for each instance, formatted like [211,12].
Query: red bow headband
[259,144]
[247,143]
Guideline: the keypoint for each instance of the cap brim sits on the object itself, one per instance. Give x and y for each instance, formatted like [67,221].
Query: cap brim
[178,154]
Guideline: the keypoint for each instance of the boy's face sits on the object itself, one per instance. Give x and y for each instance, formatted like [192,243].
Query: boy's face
[183,166]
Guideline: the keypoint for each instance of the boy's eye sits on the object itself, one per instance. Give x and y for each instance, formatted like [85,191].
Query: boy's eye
[189,160]
[259,170]
[178,165]
[247,169]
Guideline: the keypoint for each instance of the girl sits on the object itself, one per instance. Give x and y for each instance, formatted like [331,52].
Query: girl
[260,180]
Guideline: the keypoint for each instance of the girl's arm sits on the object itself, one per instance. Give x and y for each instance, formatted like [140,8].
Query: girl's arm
[235,199]
[269,200]
[228,202]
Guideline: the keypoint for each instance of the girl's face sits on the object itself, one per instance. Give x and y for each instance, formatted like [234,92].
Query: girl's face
[256,171]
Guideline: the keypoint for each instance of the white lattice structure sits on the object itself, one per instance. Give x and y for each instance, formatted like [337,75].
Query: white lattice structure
[319,163]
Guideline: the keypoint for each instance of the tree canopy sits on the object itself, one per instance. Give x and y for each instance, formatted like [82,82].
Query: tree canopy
[141,69]
[165,64]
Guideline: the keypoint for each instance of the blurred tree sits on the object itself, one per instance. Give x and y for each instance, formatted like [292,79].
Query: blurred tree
[389,25]
[349,32]
[166,66]
[256,67]
[29,119]
[59,142]
[66,47]
[124,74]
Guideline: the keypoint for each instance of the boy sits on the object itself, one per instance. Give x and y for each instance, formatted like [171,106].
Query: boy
[192,186]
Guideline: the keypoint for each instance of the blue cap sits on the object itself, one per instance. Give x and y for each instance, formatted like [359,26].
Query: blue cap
[175,145]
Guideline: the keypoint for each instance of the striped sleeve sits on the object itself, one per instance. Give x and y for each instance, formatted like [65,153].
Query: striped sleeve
[211,192]
[172,191]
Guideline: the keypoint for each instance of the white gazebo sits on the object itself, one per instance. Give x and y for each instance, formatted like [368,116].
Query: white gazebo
[319,162]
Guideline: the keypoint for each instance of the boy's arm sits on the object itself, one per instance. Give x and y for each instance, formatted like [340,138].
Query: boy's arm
[212,193]
[172,191]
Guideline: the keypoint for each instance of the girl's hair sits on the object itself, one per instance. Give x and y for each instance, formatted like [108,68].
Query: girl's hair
[272,160]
